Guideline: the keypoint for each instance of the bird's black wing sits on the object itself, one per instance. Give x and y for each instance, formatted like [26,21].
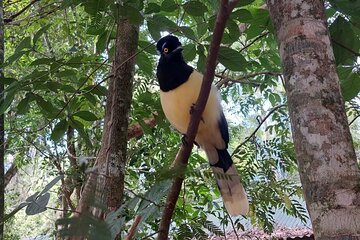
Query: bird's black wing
[223,126]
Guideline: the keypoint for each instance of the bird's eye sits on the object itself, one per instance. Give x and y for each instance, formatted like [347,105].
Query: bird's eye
[166,50]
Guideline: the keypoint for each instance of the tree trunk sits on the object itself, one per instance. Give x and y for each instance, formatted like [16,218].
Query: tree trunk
[326,157]
[108,178]
[2,133]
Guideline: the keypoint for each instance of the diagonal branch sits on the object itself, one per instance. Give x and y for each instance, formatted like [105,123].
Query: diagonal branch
[12,17]
[185,151]
[257,128]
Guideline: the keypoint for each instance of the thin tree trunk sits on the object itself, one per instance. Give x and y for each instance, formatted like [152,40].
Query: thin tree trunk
[107,181]
[326,157]
[2,133]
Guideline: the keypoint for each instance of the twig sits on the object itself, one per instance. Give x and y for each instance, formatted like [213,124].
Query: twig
[257,128]
[242,78]
[142,197]
[185,150]
[254,40]
[132,230]
[352,121]
[150,235]
[233,226]
[356,54]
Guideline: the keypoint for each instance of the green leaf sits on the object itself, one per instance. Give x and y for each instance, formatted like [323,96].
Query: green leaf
[188,32]
[242,15]
[164,23]
[244,3]
[46,107]
[195,8]
[131,13]
[97,90]
[65,73]
[101,41]
[168,6]
[350,82]
[7,81]
[201,59]
[9,97]
[59,130]
[189,52]
[350,7]
[152,8]
[24,44]
[343,38]
[40,32]
[81,130]
[42,61]
[153,29]
[24,105]
[86,115]
[16,56]
[232,59]
[144,64]
[147,47]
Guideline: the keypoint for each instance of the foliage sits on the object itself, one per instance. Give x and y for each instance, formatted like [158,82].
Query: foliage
[58,59]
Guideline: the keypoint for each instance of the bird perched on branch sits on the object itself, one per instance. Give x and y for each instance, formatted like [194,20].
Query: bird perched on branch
[179,89]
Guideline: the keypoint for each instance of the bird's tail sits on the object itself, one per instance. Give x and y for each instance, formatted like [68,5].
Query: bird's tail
[228,181]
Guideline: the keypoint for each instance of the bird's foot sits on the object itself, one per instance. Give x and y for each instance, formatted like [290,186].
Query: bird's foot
[183,140]
[192,108]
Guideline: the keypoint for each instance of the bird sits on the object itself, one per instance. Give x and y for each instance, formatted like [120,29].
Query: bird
[179,89]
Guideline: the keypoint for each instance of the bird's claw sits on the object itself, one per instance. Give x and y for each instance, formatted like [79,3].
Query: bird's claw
[192,110]
[183,140]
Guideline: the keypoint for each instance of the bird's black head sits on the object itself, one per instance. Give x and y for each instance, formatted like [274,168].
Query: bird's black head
[172,70]
[169,46]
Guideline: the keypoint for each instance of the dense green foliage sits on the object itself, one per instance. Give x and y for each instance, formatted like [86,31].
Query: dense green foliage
[58,59]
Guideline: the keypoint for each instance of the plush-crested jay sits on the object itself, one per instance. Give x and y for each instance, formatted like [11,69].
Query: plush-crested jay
[179,89]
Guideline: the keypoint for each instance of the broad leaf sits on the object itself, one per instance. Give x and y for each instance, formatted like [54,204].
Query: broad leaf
[195,8]
[86,115]
[232,59]
[40,32]
[59,130]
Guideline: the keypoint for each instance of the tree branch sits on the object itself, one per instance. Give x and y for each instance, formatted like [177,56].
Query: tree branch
[12,17]
[185,150]
[257,128]
[241,79]
[132,230]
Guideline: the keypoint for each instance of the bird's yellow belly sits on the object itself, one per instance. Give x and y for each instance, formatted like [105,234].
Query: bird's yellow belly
[177,104]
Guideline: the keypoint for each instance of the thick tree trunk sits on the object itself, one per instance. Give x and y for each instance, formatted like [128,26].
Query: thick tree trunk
[2,133]
[326,157]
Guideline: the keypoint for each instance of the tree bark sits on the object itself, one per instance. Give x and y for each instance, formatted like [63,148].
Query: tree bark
[107,180]
[327,163]
[2,133]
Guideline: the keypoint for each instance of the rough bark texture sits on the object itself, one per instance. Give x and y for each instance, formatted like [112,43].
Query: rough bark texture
[2,133]
[123,70]
[326,157]
[106,182]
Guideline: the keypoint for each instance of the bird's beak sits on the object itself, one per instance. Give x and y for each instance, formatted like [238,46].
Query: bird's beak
[178,49]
